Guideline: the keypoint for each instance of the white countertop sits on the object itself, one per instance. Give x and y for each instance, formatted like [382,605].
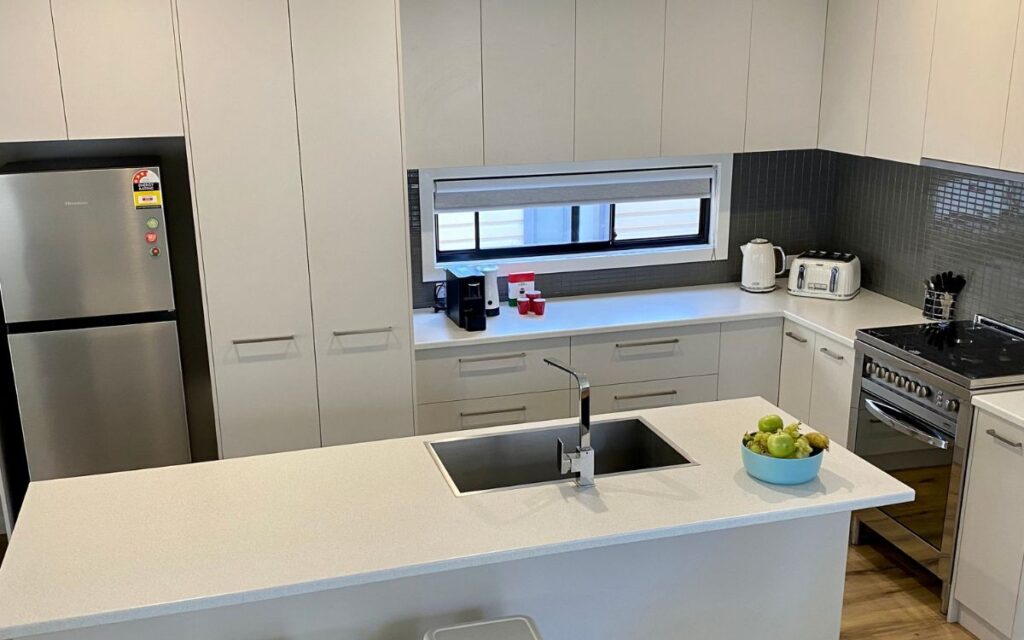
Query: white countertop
[124,546]
[668,308]
[1008,405]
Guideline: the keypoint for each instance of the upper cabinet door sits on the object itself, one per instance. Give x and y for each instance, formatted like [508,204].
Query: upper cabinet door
[846,80]
[443,85]
[31,107]
[786,46]
[118,67]
[528,80]
[970,80]
[347,94]
[1013,140]
[244,152]
[620,56]
[899,80]
[707,55]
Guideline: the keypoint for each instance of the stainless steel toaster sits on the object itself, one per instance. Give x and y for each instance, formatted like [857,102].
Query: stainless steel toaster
[825,274]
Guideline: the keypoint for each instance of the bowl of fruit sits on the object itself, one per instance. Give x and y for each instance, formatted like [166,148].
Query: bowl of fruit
[780,454]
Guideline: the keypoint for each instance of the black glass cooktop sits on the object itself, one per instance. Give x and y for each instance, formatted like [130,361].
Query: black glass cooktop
[974,350]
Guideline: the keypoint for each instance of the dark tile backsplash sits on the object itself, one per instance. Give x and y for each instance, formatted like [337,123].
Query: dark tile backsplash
[907,222]
[784,196]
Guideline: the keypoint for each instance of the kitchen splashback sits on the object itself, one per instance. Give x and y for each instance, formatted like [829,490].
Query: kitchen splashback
[906,222]
[784,196]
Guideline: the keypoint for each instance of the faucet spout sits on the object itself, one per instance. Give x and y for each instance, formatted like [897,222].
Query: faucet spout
[581,462]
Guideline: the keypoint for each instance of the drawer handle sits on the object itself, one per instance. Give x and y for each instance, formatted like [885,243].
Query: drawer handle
[1004,439]
[265,339]
[507,356]
[832,354]
[477,414]
[361,332]
[790,334]
[645,343]
[650,394]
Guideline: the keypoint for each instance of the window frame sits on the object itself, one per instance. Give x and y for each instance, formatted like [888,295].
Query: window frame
[565,258]
[465,256]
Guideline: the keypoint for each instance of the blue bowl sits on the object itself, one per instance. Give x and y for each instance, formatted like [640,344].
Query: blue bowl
[781,470]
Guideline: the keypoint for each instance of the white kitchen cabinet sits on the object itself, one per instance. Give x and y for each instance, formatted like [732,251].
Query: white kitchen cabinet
[648,354]
[118,68]
[846,79]
[443,86]
[990,553]
[796,372]
[832,389]
[899,79]
[476,413]
[620,55]
[636,396]
[787,42]
[1013,138]
[244,154]
[482,371]
[347,97]
[749,359]
[707,56]
[970,80]
[32,107]
[528,68]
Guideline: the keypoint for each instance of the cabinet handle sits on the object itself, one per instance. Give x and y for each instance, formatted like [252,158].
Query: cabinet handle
[265,339]
[507,356]
[360,332]
[645,343]
[477,414]
[790,334]
[1004,439]
[650,394]
[831,354]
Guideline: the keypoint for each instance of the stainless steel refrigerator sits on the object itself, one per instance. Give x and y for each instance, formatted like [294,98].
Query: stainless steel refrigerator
[89,315]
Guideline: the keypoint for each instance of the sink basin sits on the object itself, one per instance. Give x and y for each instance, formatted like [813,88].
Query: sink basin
[473,464]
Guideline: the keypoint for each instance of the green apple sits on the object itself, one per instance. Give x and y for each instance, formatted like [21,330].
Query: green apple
[769,423]
[781,445]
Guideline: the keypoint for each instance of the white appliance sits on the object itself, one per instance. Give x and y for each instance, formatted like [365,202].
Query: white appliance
[825,274]
[492,305]
[759,266]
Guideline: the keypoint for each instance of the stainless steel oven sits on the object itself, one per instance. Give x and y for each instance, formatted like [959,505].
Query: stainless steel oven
[916,426]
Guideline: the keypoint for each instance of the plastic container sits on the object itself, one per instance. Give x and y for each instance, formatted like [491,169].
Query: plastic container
[781,470]
[524,305]
[537,306]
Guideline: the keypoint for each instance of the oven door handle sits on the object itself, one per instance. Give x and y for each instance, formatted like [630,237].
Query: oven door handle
[878,410]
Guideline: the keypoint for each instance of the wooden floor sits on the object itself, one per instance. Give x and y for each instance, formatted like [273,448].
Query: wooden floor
[887,600]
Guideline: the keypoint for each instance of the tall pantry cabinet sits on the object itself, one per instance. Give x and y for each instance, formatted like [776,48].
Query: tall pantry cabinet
[309,324]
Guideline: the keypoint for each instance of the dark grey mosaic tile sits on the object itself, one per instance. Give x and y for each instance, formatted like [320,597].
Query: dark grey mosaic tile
[908,222]
[785,196]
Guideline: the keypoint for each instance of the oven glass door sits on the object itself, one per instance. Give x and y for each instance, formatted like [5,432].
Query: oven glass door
[916,453]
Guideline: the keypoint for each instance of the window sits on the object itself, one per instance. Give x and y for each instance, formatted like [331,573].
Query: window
[599,215]
[463,236]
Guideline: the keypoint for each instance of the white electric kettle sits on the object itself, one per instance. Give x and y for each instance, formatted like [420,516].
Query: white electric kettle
[759,266]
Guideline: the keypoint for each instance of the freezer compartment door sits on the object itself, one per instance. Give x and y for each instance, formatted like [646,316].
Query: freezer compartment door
[101,399]
[73,244]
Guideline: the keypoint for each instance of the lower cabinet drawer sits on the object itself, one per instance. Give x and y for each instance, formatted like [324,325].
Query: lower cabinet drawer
[634,396]
[440,417]
[650,354]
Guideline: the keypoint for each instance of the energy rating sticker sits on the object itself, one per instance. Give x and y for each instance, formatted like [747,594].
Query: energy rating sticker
[146,189]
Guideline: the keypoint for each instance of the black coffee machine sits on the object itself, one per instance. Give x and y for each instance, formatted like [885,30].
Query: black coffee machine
[464,298]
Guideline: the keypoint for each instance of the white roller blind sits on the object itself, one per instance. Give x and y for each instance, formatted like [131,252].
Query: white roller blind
[482,194]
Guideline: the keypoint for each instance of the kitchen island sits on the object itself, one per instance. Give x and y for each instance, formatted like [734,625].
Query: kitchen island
[370,541]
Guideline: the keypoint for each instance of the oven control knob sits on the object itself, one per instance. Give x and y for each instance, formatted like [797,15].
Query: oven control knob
[923,391]
[951,405]
[901,382]
[880,372]
[891,377]
[870,368]
[912,386]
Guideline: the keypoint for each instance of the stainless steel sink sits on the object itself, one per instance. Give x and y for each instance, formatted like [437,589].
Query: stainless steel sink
[472,464]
